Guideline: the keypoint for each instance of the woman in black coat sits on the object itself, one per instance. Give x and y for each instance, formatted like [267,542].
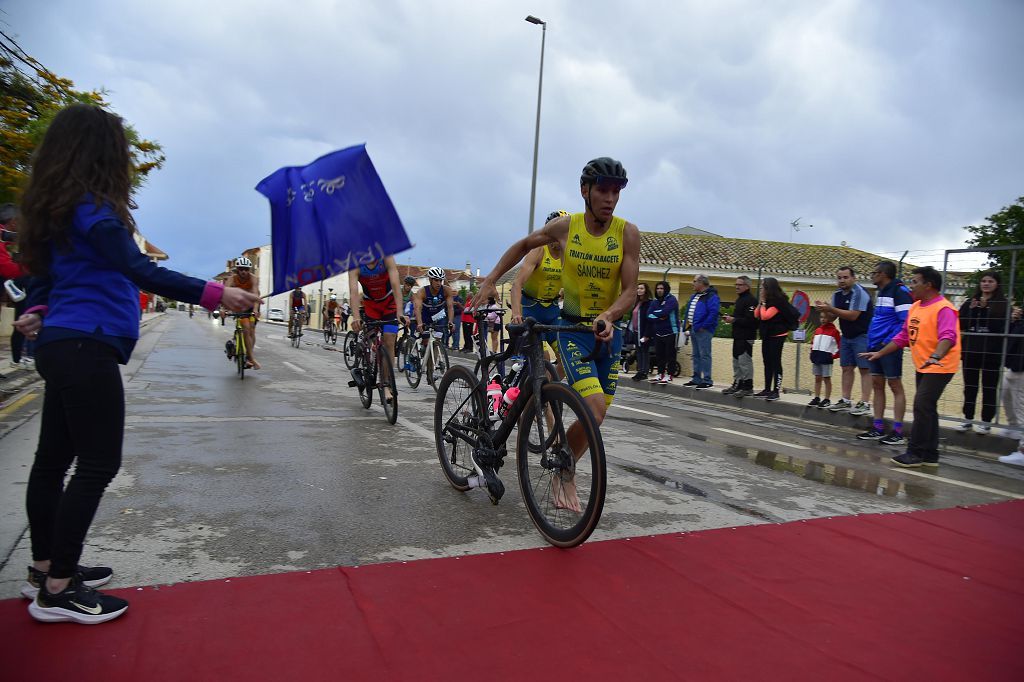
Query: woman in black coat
[982,324]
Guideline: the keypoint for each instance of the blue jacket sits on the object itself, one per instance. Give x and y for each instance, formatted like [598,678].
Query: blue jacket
[665,315]
[705,314]
[892,304]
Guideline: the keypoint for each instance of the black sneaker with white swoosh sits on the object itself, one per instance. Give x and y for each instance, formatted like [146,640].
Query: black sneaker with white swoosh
[78,603]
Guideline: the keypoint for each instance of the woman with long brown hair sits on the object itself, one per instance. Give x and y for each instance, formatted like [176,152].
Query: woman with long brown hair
[75,237]
[776,316]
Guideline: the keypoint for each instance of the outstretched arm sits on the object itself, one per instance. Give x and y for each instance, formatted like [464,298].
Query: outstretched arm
[553,232]
[530,264]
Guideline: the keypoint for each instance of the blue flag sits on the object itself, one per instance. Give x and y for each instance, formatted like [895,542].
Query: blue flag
[329,217]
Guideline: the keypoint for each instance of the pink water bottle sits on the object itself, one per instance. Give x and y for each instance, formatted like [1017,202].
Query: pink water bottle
[493,399]
[506,402]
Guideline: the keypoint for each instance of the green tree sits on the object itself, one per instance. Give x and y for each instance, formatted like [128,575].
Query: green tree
[30,96]
[1005,228]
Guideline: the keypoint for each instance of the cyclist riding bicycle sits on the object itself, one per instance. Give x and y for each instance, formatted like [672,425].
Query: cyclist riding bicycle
[407,308]
[600,267]
[537,284]
[434,303]
[241,277]
[331,309]
[297,304]
[373,288]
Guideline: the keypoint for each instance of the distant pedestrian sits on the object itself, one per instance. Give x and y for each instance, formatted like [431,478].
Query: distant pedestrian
[346,312]
[777,316]
[892,303]
[75,237]
[468,322]
[852,304]
[744,333]
[933,334]
[824,353]
[642,331]
[1013,386]
[982,323]
[664,315]
[701,322]
[458,305]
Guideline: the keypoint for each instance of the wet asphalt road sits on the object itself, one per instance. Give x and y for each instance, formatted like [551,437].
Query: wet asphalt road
[286,471]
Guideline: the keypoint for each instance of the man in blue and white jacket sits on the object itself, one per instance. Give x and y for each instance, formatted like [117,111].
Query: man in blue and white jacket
[701,321]
[892,304]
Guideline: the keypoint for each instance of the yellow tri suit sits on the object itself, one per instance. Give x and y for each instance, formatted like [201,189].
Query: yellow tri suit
[540,292]
[590,284]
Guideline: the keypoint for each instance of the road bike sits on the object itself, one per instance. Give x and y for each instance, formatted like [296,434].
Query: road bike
[505,379]
[236,349]
[471,444]
[295,328]
[330,331]
[430,357]
[371,355]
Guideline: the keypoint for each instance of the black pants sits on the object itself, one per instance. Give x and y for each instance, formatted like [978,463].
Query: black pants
[83,420]
[467,336]
[664,349]
[771,357]
[987,365]
[924,436]
[643,357]
[17,338]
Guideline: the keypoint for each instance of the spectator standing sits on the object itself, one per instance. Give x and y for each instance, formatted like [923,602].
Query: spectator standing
[664,315]
[642,331]
[701,321]
[852,304]
[933,334]
[777,317]
[892,303]
[467,327]
[458,305]
[9,269]
[824,353]
[1013,386]
[346,312]
[75,237]
[982,322]
[744,333]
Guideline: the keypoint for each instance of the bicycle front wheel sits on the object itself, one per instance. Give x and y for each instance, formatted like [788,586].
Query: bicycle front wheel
[413,366]
[550,477]
[240,355]
[390,404]
[348,349]
[458,411]
[440,363]
[327,334]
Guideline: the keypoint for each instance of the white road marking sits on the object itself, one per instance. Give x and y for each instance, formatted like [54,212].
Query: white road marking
[294,368]
[633,409]
[767,440]
[429,435]
[962,484]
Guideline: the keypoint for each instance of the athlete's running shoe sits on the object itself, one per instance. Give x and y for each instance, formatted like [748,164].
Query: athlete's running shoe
[78,603]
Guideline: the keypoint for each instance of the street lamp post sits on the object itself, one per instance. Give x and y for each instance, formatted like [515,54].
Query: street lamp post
[536,136]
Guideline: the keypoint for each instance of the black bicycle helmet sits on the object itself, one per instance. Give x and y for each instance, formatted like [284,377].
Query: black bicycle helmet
[603,168]
[410,280]
[556,214]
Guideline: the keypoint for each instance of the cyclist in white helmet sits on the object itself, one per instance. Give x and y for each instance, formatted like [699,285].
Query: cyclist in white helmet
[434,302]
[242,277]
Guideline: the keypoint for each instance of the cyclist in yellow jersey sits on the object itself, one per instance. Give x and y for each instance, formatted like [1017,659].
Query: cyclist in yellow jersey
[537,284]
[600,266]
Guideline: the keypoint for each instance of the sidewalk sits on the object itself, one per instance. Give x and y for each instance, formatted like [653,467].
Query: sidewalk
[999,442]
[13,380]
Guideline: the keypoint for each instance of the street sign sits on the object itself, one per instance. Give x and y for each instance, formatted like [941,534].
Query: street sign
[802,302]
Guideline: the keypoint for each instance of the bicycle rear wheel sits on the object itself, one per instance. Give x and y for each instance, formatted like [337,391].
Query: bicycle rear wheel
[369,380]
[390,406]
[348,349]
[547,468]
[441,365]
[458,408]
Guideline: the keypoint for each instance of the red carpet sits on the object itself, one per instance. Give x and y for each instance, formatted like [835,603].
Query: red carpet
[935,595]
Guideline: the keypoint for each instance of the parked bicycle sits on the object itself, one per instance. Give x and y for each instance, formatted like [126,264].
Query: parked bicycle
[428,356]
[236,348]
[471,443]
[371,355]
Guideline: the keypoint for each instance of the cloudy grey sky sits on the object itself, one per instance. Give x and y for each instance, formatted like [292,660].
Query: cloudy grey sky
[885,124]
